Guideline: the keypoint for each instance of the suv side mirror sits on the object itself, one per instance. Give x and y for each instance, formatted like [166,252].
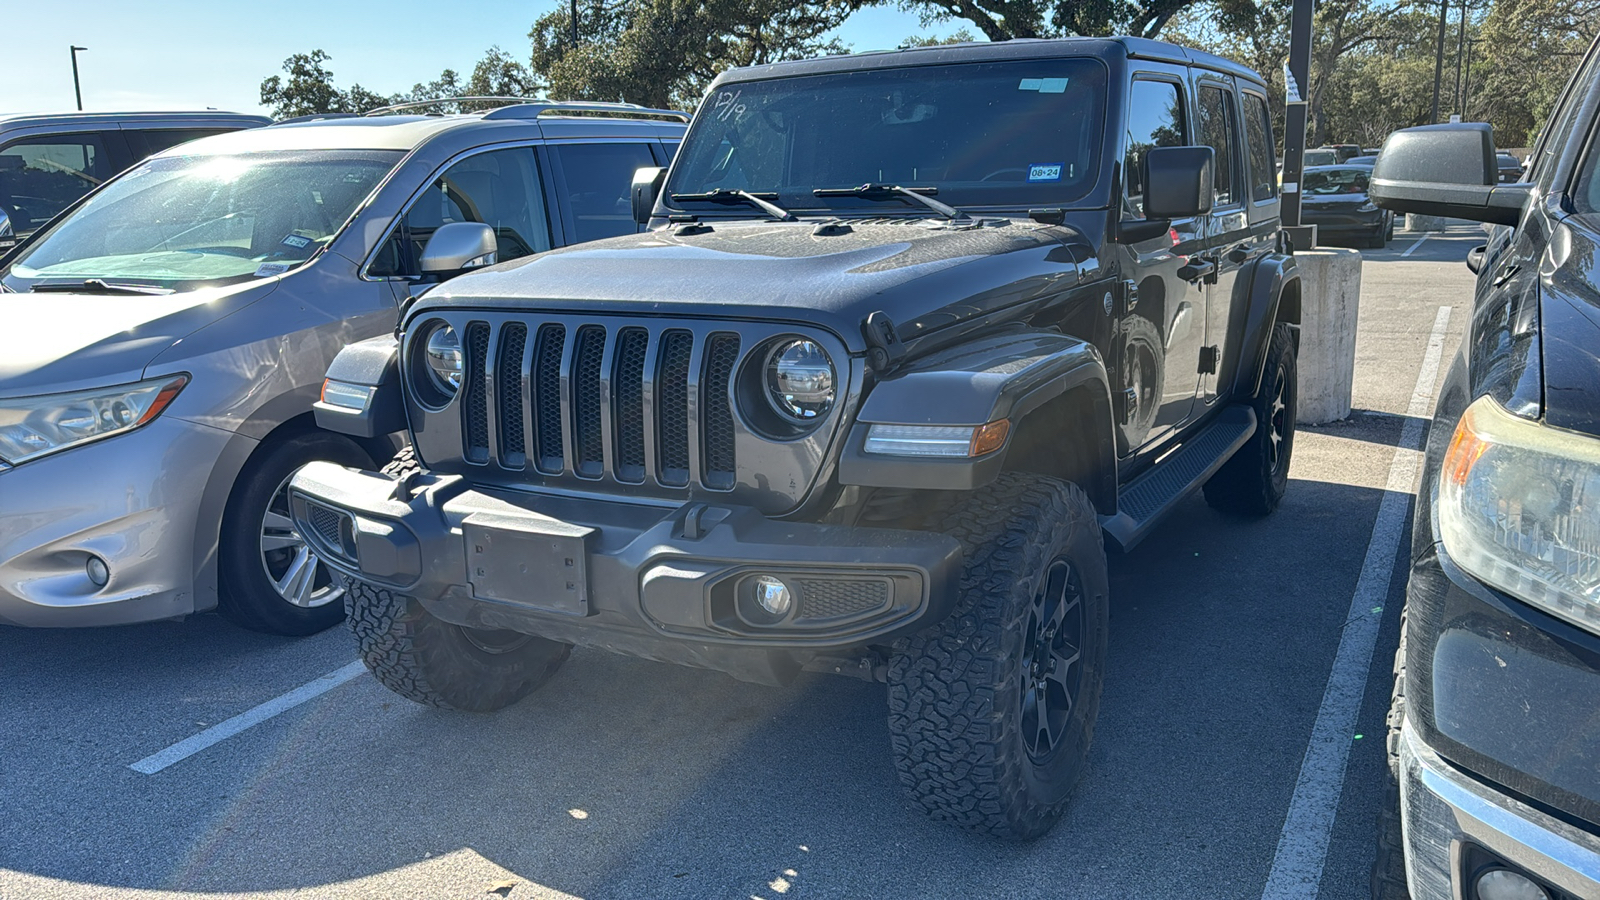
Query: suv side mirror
[1446,170]
[1178,182]
[459,246]
[646,188]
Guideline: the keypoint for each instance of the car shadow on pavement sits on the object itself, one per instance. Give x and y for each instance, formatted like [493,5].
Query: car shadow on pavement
[626,778]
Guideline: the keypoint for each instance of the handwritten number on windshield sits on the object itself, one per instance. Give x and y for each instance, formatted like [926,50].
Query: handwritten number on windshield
[727,105]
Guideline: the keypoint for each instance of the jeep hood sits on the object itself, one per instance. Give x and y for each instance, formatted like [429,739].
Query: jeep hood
[63,342]
[790,271]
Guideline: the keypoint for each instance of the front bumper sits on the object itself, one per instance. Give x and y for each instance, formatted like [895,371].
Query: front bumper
[1451,819]
[133,500]
[653,581]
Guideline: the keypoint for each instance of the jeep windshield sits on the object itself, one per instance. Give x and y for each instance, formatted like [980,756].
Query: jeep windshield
[1006,134]
[182,222]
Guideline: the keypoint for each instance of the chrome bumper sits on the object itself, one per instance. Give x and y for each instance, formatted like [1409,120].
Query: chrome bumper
[1444,811]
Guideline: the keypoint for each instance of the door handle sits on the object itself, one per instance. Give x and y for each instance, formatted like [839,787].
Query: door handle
[1197,268]
[1238,255]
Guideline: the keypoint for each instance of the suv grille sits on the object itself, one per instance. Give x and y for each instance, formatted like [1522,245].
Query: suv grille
[593,391]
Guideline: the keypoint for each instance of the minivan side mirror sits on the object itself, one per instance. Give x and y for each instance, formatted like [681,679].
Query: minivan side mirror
[646,188]
[1448,170]
[1178,182]
[459,246]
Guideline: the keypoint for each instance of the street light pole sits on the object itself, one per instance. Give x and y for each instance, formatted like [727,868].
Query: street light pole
[1461,52]
[1297,94]
[574,23]
[76,90]
[1438,59]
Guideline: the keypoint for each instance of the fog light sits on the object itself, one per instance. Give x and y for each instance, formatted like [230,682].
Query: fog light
[772,595]
[97,570]
[1504,884]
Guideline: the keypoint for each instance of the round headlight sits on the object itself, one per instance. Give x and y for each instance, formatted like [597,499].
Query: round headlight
[443,352]
[800,380]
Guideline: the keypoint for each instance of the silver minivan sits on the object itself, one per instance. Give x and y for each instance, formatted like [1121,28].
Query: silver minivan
[166,338]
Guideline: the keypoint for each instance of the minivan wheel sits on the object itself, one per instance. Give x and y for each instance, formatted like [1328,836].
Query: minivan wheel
[272,580]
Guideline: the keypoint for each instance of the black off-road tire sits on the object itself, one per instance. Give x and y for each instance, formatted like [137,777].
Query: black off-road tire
[1144,372]
[957,689]
[1253,481]
[1389,868]
[436,663]
[248,597]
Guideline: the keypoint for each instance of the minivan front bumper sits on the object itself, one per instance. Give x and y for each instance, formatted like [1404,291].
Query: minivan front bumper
[671,583]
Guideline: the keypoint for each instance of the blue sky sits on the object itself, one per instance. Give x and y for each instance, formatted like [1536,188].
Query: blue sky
[188,54]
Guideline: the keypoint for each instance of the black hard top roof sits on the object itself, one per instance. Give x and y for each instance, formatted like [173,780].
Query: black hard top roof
[1022,48]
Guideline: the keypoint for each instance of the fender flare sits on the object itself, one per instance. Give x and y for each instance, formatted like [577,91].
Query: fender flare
[1006,376]
[1271,279]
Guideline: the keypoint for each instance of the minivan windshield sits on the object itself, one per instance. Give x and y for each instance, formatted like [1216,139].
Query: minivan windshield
[181,222]
[1018,133]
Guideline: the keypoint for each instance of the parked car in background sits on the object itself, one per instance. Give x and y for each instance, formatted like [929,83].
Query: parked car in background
[1493,729]
[1334,198]
[1368,160]
[1510,168]
[167,336]
[1320,156]
[1342,152]
[49,161]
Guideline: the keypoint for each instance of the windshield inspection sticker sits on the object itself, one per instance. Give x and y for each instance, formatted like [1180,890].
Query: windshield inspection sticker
[297,241]
[267,270]
[1045,171]
[1043,85]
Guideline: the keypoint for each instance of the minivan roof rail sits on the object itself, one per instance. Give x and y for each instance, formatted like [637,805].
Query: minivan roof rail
[317,117]
[621,110]
[439,101]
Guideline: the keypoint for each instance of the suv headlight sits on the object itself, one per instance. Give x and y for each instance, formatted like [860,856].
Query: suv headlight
[31,427]
[800,380]
[442,349]
[1519,508]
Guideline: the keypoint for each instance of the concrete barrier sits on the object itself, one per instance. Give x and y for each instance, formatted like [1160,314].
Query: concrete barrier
[1330,294]
[1416,222]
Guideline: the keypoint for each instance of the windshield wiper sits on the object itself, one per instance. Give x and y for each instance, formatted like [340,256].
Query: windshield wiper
[96,286]
[872,191]
[734,195]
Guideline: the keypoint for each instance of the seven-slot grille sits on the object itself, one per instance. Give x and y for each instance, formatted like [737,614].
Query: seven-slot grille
[594,401]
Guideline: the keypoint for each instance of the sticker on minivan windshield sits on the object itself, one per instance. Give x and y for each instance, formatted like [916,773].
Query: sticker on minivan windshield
[1045,171]
[297,241]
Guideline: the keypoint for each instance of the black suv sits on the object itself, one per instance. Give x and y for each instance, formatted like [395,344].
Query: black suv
[913,331]
[1494,729]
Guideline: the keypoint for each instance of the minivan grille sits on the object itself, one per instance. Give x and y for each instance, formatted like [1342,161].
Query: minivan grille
[605,398]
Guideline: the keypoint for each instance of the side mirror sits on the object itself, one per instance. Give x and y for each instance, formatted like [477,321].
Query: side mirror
[1446,170]
[646,189]
[459,246]
[1178,182]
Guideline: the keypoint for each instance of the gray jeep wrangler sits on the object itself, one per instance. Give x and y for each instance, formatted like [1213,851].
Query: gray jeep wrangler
[913,335]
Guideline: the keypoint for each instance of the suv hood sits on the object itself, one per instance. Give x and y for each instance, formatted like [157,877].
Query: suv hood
[64,342]
[788,271]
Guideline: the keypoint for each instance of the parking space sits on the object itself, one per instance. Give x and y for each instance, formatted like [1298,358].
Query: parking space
[624,778]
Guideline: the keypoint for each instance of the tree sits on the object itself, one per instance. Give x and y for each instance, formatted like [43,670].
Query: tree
[663,53]
[309,90]
[961,36]
[1529,48]
[1002,20]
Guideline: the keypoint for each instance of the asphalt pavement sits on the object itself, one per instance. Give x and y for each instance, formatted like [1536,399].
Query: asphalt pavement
[631,779]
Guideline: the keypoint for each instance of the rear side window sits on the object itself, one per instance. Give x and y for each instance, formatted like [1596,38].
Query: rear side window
[1258,131]
[499,188]
[597,179]
[41,176]
[1217,131]
[156,140]
[1155,119]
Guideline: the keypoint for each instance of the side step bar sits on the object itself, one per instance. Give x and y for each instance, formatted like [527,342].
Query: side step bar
[1143,502]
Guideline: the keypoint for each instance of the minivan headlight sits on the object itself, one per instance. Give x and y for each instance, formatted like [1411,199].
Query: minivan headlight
[31,427]
[1519,508]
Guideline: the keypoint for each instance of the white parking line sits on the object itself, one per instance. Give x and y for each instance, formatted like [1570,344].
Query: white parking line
[221,731]
[1413,248]
[1303,844]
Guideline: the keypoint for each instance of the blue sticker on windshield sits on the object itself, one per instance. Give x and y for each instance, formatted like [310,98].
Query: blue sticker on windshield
[1045,171]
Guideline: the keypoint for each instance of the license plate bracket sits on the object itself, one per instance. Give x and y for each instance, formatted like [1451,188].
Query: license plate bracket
[531,561]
